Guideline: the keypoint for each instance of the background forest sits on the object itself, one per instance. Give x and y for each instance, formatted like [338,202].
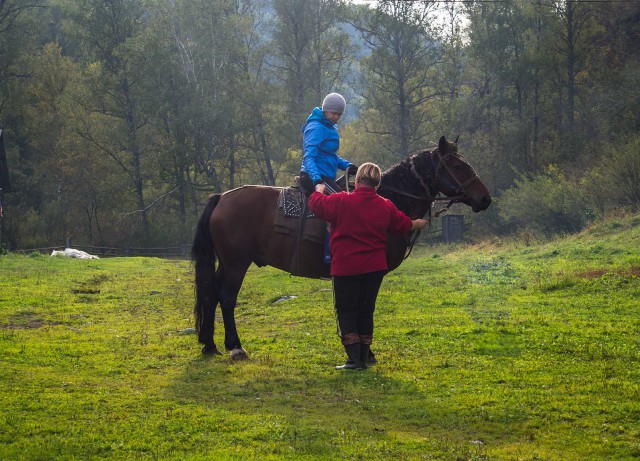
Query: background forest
[120,117]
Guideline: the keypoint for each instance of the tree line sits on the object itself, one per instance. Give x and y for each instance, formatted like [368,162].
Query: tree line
[121,116]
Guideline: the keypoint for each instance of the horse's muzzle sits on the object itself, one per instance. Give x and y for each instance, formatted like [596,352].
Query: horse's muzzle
[477,207]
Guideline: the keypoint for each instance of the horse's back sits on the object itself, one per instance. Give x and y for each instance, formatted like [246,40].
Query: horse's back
[241,225]
[247,203]
[243,230]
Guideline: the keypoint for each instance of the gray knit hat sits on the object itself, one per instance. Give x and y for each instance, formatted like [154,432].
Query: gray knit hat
[333,102]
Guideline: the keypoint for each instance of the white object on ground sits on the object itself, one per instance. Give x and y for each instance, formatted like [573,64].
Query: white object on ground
[72,253]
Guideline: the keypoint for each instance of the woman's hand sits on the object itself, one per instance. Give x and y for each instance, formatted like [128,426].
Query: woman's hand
[320,188]
[419,223]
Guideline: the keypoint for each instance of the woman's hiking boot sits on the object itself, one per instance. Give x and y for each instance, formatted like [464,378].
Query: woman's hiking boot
[364,354]
[353,358]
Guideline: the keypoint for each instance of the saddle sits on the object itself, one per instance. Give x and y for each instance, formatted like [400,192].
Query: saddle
[341,182]
[295,218]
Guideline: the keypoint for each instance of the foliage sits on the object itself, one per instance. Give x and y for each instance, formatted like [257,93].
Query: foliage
[553,203]
[615,182]
[486,352]
[398,75]
[548,203]
[120,117]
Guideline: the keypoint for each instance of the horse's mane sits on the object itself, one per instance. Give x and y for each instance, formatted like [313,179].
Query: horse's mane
[401,177]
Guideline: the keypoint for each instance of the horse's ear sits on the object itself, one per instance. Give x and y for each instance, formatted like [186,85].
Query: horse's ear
[443,145]
[456,141]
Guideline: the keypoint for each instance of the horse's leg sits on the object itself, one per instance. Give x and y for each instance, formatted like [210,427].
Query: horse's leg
[207,298]
[209,344]
[232,281]
[241,229]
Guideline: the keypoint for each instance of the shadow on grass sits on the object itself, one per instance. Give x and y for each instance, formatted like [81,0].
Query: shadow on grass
[383,411]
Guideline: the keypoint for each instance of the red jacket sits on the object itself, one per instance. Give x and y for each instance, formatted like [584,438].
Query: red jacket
[360,223]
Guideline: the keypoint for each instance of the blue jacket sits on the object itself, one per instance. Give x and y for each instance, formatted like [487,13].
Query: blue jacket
[320,143]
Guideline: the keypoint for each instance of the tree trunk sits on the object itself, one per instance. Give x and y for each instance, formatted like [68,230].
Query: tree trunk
[570,64]
[136,155]
[271,180]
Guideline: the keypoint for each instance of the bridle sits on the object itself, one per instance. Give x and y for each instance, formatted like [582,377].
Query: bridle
[460,190]
[460,193]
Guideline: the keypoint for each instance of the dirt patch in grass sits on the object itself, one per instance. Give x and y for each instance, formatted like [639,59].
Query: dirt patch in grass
[85,292]
[31,324]
[27,320]
[597,273]
[592,274]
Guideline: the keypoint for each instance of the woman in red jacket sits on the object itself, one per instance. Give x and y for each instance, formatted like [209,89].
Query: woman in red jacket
[360,223]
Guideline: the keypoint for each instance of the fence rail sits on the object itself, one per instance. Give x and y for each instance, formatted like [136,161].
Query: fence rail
[181,251]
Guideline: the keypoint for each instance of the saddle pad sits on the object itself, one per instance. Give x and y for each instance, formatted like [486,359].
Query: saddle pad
[292,201]
[289,222]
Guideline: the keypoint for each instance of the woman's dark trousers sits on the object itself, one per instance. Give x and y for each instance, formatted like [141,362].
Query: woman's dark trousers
[355,301]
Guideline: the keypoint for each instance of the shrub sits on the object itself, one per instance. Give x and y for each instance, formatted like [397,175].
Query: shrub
[547,203]
[614,183]
[621,175]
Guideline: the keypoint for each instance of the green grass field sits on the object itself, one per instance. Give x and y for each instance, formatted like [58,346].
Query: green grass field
[496,351]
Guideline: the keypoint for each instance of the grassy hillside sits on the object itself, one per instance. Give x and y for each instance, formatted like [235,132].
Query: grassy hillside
[499,351]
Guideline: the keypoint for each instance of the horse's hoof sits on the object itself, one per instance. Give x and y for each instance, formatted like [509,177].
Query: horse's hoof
[238,354]
[211,349]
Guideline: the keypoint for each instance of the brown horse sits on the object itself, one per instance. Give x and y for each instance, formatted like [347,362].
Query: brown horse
[237,228]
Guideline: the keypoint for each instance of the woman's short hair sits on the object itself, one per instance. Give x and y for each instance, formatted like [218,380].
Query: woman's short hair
[369,174]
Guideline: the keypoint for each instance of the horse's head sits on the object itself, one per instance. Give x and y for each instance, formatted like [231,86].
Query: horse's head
[456,179]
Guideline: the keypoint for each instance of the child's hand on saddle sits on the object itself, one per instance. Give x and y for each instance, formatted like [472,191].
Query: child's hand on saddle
[320,188]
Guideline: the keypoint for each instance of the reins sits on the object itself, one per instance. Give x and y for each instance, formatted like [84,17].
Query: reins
[429,198]
[413,238]
[406,194]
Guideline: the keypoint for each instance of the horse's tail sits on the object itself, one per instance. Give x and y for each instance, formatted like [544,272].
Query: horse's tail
[203,254]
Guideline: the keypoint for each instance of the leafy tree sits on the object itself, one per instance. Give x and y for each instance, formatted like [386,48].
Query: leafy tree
[310,51]
[616,69]
[108,31]
[208,51]
[17,40]
[310,56]
[51,75]
[577,32]
[259,113]
[20,37]
[451,72]
[399,73]
[501,49]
